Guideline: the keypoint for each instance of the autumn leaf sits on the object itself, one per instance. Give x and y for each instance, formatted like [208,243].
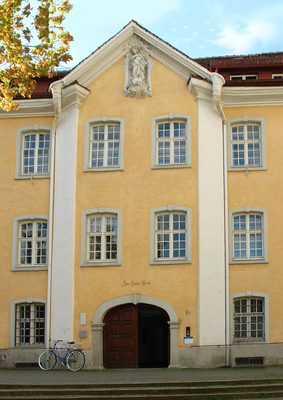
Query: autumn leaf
[32,43]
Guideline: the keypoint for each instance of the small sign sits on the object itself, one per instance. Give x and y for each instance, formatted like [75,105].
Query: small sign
[83,319]
[188,339]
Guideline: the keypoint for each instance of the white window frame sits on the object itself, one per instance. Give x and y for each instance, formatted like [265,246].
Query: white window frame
[249,295]
[86,215]
[246,121]
[105,120]
[21,133]
[170,118]
[243,77]
[13,305]
[17,222]
[248,259]
[277,76]
[171,209]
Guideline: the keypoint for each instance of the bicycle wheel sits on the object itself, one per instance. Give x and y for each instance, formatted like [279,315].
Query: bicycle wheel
[75,360]
[47,360]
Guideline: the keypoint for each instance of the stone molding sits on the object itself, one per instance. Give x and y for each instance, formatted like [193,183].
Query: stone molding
[97,325]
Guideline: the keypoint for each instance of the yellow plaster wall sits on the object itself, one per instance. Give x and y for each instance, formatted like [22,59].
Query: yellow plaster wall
[262,189]
[136,191]
[18,197]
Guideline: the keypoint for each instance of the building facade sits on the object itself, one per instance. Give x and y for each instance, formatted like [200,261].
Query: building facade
[140,208]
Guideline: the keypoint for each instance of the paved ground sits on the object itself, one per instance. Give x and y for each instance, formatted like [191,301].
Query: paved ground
[25,376]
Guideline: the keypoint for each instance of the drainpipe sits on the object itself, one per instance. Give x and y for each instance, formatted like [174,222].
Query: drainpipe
[56,88]
[217,82]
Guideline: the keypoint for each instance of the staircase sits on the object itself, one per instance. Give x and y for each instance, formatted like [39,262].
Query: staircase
[211,390]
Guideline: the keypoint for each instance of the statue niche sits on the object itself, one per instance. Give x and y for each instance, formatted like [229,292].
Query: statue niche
[137,68]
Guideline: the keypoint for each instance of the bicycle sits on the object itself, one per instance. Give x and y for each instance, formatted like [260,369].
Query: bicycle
[74,358]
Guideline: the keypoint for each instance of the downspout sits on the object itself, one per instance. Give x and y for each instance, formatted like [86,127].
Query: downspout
[217,82]
[56,88]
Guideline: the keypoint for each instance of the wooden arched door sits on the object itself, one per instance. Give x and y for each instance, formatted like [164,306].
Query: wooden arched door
[136,336]
[120,338]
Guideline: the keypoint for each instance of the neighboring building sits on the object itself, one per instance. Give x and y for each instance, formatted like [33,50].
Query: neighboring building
[141,210]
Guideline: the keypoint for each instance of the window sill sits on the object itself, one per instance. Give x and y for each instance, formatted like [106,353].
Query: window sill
[171,166]
[28,346]
[248,341]
[33,176]
[169,262]
[102,169]
[29,268]
[101,264]
[249,168]
[249,261]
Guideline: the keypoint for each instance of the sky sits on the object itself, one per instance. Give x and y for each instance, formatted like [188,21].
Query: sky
[198,28]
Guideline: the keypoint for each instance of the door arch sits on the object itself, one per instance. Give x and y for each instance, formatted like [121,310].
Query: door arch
[135,336]
[97,325]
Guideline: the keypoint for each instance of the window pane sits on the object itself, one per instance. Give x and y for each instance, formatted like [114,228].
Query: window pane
[162,245]
[113,145]
[95,224]
[43,153]
[179,151]
[164,152]
[164,130]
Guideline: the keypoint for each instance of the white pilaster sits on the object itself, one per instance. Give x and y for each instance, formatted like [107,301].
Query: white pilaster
[211,285]
[64,214]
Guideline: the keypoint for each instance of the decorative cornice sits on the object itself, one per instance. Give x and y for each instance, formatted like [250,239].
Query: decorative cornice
[251,96]
[202,90]
[73,95]
[31,108]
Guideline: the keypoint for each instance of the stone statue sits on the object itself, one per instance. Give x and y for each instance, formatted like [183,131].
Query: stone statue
[137,67]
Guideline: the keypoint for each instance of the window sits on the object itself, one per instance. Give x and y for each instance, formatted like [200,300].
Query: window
[249,318]
[246,144]
[277,76]
[101,237]
[243,77]
[170,239]
[29,247]
[30,324]
[104,144]
[250,314]
[248,241]
[171,140]
[27,322]
[33,152]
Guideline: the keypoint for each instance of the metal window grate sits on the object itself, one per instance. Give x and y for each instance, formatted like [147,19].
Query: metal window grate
[26,365]
[243,361]
[249,319]
[29,324]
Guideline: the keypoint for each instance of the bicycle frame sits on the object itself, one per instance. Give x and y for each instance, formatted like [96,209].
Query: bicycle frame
[63,360]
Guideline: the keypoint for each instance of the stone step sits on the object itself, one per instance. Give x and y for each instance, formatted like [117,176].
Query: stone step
[212,396]
[95,385]
[245,389]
